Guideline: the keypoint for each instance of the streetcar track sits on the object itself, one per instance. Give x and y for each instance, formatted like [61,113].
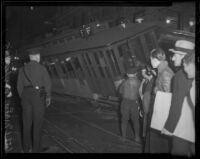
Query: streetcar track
[58,141]
[96,126]
[109,113]
[72,139]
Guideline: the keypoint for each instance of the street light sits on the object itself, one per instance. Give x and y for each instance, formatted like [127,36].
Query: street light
[168,21]
[32,8]
[191,23]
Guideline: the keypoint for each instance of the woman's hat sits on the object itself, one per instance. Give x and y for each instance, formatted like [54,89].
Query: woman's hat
[183,47]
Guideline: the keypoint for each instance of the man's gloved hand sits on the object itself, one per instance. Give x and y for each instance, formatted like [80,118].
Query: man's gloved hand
[48,101]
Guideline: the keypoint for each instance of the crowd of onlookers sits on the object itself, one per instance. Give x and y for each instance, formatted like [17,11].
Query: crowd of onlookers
[157,77]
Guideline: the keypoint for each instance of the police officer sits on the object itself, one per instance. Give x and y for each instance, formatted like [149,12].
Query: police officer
[31,79]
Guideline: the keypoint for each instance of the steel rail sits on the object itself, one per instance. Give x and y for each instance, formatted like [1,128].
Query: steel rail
[84,147]
[96,126]
[58,141]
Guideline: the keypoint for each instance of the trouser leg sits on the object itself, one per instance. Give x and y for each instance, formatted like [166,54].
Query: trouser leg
[144,129]
[135,120]
[147,143]
[124,124]
[38,117]
[158,143]
[125,117]
[27,124]
[180,147]
[146,104]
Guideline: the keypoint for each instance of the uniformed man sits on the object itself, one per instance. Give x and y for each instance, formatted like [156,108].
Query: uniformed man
[31,79]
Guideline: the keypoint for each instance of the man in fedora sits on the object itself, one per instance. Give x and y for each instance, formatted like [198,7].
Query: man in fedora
[180,88]
[33,79]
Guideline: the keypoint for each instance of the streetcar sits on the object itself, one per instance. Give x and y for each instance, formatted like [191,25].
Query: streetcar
[92,67]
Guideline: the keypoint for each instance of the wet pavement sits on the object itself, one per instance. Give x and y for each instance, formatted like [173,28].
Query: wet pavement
[74,125]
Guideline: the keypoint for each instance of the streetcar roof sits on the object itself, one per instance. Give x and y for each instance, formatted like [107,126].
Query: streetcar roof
[100,39]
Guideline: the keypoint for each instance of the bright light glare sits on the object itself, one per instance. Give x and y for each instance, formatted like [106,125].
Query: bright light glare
[191,23]
[168,21]
[139,20]
[123,25]
[68,58]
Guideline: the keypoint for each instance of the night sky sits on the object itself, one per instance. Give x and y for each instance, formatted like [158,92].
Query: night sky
[24,20]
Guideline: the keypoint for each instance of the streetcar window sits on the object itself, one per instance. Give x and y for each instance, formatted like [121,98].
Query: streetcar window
[78,66]
[115,62]
[101,54]
[104,64]
[98,63]
[96,58]
[63,68]
[149,41]
[88,59]
[108,72]
[76,63]
[70,69]
[102,59]
[55,73]
[69,66]
[48,69]
[111,61]
[86,66]
[93,72]
[101,71]
[123,49]
[137,48]
[90,63]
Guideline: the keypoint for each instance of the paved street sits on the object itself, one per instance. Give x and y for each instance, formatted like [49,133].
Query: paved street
[75,125]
